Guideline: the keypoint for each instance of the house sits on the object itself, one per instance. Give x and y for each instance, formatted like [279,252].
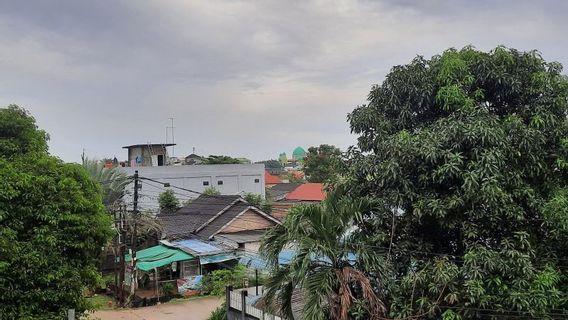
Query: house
[279,191]
[148,155]
[271,180]
[307,193]
[228,179]
[193,159]
[229,220]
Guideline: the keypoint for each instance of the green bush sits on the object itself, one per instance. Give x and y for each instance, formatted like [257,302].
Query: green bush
[214,282]
[219,314]
[167,288]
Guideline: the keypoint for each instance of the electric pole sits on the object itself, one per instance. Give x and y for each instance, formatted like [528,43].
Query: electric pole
[173,139]
[133,283]
[135,213]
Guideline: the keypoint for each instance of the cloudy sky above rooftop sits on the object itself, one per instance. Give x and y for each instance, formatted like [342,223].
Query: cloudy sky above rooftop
[243,78]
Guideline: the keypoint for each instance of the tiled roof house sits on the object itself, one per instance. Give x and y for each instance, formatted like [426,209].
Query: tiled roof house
[222,218]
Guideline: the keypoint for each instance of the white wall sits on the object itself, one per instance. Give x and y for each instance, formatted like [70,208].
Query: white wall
[237,179]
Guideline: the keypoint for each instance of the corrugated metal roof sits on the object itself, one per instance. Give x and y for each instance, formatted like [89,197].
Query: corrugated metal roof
[198,246]
[222,219]
[192,216]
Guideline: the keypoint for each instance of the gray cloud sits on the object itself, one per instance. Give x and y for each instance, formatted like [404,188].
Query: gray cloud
[240,77]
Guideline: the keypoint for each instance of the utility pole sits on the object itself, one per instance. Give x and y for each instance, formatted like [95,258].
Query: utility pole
[133,283]
[173,139]
[122,244]
[135,212]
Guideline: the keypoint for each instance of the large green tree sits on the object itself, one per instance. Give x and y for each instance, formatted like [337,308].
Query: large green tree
[323,163]
[52,225]
[467,154]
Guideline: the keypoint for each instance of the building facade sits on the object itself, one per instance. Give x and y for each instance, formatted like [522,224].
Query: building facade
[228,179]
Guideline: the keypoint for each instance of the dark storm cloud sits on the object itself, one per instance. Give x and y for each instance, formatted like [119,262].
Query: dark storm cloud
[244,78]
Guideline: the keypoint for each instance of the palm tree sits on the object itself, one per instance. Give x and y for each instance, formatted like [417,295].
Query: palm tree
[112,181]
[330,268]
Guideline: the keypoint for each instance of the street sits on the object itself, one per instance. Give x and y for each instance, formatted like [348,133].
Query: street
[195,309]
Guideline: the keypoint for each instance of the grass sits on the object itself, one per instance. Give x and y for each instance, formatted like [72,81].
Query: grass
[100,302]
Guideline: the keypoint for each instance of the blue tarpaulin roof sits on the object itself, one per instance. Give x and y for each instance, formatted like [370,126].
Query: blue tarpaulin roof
[197,246]
[217,258]
[206,251]
[256,262]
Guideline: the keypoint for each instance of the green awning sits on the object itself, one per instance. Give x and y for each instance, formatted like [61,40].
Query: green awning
[217,258]
[158,256]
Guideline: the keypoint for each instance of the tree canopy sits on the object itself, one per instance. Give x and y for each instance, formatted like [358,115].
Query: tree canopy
[52,225]
[212,159]
[168,201]
[466,153]
[323,163]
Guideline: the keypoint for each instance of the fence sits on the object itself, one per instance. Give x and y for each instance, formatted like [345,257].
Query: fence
[238,309]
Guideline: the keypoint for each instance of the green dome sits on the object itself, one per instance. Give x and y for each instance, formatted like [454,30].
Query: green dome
[299,153]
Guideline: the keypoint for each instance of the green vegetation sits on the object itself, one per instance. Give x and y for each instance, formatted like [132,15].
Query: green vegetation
[323,163]
[466,154]
[112,181]
[52,225]
[214,283]
[168,201]
[324,265]
[258,201]
[211,191]
[219,314]
[212,159]
[101,302]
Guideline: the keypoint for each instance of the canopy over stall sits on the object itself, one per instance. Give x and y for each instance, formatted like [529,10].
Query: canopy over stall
[158,256]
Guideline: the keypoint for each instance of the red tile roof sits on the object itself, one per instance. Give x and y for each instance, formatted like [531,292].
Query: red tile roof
[270,179]
[308,192]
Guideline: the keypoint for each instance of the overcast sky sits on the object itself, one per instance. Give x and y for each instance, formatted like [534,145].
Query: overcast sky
[243,78]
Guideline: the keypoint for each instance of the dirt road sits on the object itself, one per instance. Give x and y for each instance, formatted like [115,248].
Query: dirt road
[196,309]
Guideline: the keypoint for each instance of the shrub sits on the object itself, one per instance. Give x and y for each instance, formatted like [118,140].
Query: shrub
[214,282]
[219,314]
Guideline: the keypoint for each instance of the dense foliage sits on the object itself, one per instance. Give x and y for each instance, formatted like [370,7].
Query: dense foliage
[214,282]
[258,201]
[212,159]
[112,181]
[467,155]
[323,163]
[168,201]
[220,313]
[330,269]
[52,225]
[211,191]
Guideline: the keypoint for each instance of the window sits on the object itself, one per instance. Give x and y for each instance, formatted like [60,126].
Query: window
[205,183]
[220,182]
[190,268]
[256,180]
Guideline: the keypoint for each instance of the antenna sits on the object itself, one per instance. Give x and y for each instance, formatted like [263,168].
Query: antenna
[173,139]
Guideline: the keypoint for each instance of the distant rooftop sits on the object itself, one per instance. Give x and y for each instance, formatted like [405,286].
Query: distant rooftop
[308,192]
[150,144]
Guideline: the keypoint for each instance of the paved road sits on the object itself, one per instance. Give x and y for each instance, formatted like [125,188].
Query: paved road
[196,309]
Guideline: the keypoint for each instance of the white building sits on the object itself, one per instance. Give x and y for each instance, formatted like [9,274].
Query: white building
[229,179]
